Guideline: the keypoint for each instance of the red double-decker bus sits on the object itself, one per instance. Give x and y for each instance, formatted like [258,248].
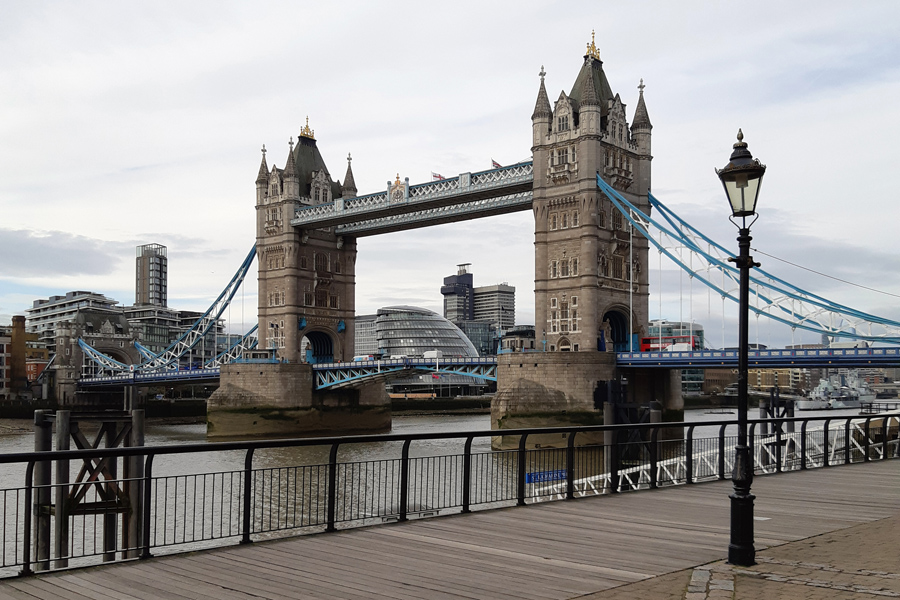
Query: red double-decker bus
[660,344]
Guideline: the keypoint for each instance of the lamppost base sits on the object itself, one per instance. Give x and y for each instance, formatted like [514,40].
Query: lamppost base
[741,551]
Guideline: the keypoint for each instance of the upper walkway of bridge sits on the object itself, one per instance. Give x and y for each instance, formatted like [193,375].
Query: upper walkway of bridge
[827,530]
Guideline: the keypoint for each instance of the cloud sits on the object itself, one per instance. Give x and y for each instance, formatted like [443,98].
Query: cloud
[30,254]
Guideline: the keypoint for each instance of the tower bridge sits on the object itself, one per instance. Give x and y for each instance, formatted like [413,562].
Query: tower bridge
[588,187]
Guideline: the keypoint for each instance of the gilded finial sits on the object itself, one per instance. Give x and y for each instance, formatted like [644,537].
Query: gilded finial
[592,49]
[306,132]
[398,179]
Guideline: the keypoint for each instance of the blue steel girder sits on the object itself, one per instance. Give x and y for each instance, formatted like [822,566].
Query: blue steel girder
[775,358]
[359,373]
[467,196]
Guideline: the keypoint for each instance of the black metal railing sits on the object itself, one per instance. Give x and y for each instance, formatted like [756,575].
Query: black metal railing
[256,501]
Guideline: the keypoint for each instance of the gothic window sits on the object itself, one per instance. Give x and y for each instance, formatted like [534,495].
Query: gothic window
[317,194]
[562,156]
[627,271]
[321,299]
[337,266]
[604,267]
[574,300]
[307,296]
[573,153]
[620,132]
[553,222]
[562,123]
[304,262]
[574,267]
[565,221]
[321,262]
[552,302]
[553,265]
[617,221]
[564,268]
[333,301]
[618,267]
[601,219]
[575,219]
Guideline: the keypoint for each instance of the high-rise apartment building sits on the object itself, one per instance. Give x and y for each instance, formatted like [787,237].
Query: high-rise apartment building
[151,272]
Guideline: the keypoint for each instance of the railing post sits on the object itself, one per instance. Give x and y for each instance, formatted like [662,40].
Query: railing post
[884,438]
[520,483]
[847,441]
[751,434]
[825,442]
[42,476]
[404,480]
[689,456]
[803,445]
[26,534]
[722,451]
[654,457]
[614,454]
[467,475]
[331,498]
[248,496]
[570,466]
[145,530]
[866,443]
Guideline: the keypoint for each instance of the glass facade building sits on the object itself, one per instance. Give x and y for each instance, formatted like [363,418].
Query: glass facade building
[412,331]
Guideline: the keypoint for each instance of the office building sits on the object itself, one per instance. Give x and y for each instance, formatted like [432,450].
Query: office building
[458,292]
[366,342]
[496,304]
[151,275]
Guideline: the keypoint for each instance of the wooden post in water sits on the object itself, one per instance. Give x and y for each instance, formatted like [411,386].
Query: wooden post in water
[43,442]
[61,509]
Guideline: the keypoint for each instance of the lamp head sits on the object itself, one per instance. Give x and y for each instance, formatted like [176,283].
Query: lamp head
[742,178]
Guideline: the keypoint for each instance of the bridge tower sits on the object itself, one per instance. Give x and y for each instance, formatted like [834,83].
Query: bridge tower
[306,277]
[591,276]
[591,284]
[306,314]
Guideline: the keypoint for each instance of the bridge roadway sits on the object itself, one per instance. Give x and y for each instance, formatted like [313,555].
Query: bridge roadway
[645,542]
[350,374]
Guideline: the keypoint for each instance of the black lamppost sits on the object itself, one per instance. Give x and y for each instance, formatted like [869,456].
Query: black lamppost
[742,178]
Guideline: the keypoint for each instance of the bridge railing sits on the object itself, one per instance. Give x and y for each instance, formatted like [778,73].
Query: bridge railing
[273,488]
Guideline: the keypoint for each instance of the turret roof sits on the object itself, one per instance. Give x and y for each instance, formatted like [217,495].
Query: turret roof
[641,118]
[349,183]
[263,175]
[542,106]
[591,74]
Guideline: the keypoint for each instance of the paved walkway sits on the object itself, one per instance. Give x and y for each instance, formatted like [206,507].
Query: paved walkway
[824,533]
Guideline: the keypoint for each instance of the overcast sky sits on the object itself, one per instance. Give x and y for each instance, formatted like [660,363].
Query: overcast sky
[125,123]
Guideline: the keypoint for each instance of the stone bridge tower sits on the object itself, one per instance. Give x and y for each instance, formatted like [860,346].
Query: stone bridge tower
[591,279]
[306,277]
[590,271]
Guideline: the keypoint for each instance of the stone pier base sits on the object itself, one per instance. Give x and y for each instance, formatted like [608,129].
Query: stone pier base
[278,400]
[550,389]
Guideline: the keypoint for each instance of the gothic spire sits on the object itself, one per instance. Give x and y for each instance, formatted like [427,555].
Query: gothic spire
[542,106]
[589,95]
[263,175]
[641,118]
[289,169]
[349,183]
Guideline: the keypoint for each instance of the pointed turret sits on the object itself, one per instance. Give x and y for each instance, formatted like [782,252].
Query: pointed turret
[262,179]
[291,179]
[263,175]
[641,118]
[348,190]
[543,114]
[640,126]
[542,106]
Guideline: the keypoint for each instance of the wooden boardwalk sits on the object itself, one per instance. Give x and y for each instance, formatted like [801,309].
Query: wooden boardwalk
[549,550]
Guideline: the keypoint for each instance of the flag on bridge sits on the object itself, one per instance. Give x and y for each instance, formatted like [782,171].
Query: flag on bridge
[495,164]
[436,176]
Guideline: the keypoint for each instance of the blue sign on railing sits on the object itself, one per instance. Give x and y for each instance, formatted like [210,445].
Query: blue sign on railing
[545,476]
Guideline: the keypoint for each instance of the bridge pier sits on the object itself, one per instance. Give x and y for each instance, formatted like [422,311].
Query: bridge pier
[278,400]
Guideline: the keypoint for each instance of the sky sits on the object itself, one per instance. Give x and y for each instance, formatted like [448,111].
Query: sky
[126,123]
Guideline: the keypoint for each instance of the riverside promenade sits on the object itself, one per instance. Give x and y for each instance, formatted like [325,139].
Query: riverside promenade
[822,533]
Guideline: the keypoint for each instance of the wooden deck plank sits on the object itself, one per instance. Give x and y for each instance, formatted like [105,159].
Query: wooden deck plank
[545,550]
